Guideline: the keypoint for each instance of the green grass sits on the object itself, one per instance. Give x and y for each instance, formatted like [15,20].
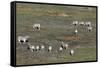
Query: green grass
[55,28]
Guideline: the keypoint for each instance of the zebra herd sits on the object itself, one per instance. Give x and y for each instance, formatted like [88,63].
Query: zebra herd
[63,46]
[87,25]
[36,27]
[82,23]
[34,48]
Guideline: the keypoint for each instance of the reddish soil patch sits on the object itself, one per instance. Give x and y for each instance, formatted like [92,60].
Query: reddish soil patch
[71,37]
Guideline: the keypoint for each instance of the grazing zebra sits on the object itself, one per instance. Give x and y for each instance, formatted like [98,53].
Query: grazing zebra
[49,48]
[71,52]
[88,23]
[82,23]
[36,27]
[37,48]
[64,45]
[75,23]
[60,49]
[89,28]
[76,32]
[42,47]
[31,47]
[23,39]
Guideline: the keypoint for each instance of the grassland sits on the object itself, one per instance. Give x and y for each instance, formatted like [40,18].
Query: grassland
[56,26]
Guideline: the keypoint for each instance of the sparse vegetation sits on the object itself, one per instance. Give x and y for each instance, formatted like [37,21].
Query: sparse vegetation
[56,26]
